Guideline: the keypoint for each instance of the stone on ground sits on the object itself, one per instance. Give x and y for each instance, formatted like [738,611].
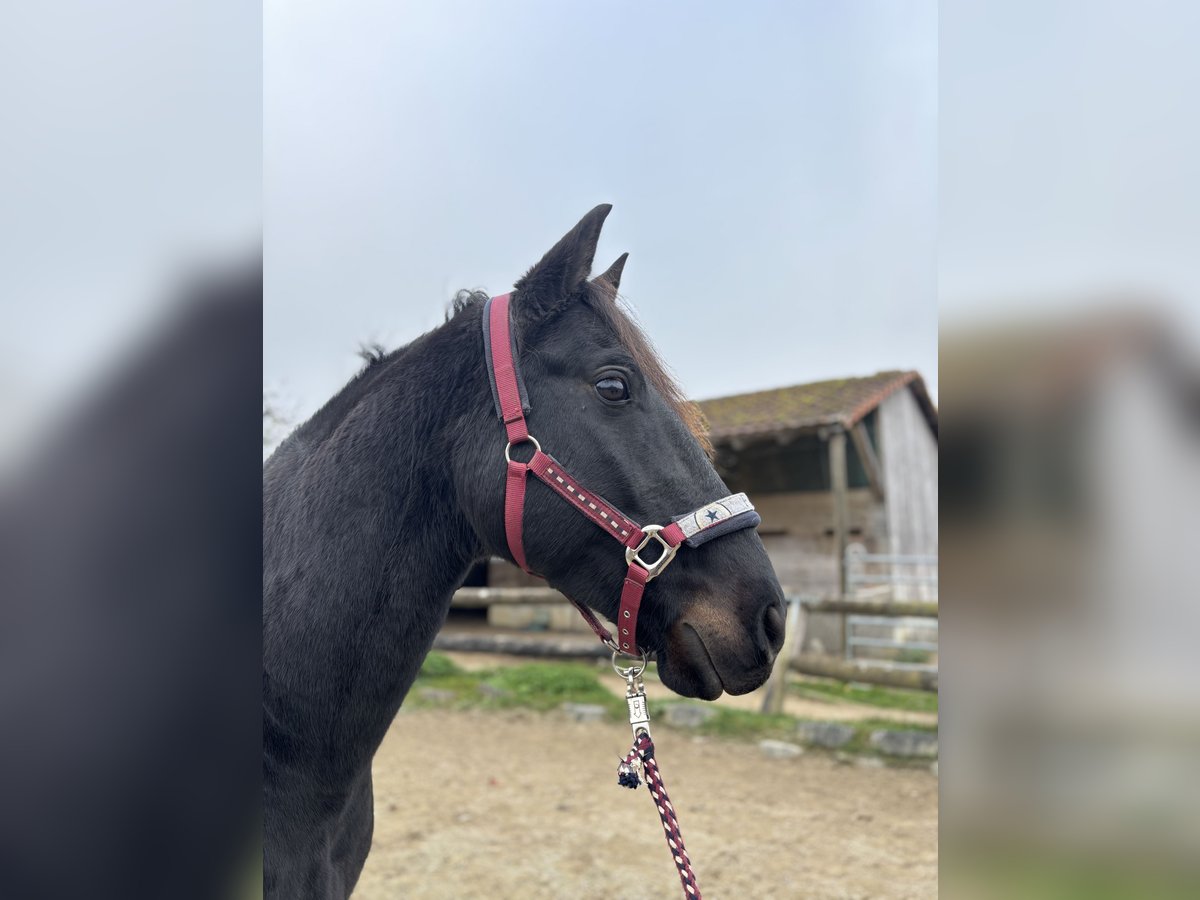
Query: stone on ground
[910,744]
[830,735]
[687,715]
[779,749]
[585,712]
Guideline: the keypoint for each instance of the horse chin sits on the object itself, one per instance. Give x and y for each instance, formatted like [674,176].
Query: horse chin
[685,666]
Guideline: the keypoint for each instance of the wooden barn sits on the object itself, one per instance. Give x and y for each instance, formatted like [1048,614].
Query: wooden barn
[833,464]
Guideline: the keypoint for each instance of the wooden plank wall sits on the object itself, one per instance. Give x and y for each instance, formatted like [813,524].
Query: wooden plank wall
[909,454]
[796,530]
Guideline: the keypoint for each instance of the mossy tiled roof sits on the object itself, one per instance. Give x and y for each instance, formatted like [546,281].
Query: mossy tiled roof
[837,401]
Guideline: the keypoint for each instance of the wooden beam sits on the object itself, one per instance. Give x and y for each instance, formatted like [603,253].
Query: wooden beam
[870,461]
[483,597]
[833,667]
[558,648]
[838,484]
[916,608]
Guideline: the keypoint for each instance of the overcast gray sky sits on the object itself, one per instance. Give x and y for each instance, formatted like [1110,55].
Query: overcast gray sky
[772,168]
[1068,157]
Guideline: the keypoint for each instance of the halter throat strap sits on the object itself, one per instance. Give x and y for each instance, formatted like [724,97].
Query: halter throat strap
[723,516]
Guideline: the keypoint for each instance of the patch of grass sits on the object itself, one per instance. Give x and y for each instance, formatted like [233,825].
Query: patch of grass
[748,725]
[726,723]
[860,744]
[464,686]
[869,694]
[537,686]
[737,724]
[548,685]
[438,665]
[889,725]
[1039,875]
[743,724]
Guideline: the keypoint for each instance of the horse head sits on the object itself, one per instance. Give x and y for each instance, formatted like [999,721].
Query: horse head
[603,404]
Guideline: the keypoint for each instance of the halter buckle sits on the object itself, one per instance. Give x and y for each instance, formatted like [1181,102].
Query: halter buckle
[653,569]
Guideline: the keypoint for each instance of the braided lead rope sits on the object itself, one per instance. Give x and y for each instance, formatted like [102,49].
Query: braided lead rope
[643,749]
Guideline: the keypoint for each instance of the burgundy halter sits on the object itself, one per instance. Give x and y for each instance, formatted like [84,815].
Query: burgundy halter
[731,513]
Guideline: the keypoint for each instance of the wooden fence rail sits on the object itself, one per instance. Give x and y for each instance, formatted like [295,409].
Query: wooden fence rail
[542,646]
[836,667]
[895,608]
[483,597]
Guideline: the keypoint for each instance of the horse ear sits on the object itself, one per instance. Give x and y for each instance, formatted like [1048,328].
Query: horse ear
[563,271]
[612,275]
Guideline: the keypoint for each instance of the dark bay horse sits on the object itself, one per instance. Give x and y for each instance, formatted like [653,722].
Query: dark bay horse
[375,509]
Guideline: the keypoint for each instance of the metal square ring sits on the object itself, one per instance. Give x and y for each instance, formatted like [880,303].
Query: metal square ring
[653,569]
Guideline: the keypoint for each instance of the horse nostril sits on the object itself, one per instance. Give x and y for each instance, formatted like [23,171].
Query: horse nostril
[773,626]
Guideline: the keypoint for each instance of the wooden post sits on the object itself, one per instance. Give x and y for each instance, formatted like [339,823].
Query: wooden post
[793,638]
[838,482]
[869,459]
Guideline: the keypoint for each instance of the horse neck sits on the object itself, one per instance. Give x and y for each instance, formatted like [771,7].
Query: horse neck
[365,547]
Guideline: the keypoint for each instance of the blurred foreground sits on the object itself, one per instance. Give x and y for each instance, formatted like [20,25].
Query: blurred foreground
[130,641]
[1071,671]
[130,359]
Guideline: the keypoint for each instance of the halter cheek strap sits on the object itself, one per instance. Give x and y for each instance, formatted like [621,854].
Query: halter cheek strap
[712,520]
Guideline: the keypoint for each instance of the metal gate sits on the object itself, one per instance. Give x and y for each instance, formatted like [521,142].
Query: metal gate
[892,640]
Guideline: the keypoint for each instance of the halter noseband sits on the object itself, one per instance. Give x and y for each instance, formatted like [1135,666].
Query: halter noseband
[723,516]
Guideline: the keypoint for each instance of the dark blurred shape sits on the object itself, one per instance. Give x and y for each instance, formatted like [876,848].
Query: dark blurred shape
[130,609]
[1070,525]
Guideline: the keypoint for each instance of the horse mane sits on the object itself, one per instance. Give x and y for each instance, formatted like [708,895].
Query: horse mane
[372,354]
[599,296]
[602,298]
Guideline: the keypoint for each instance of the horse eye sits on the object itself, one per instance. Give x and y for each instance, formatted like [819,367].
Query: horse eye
[612,388]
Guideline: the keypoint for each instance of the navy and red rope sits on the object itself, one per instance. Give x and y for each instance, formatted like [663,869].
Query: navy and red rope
[643,749]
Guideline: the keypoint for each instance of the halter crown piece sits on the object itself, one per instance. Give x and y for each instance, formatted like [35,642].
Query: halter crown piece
[694,528]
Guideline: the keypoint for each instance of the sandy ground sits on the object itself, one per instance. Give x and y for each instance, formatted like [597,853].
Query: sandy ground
[517,804]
